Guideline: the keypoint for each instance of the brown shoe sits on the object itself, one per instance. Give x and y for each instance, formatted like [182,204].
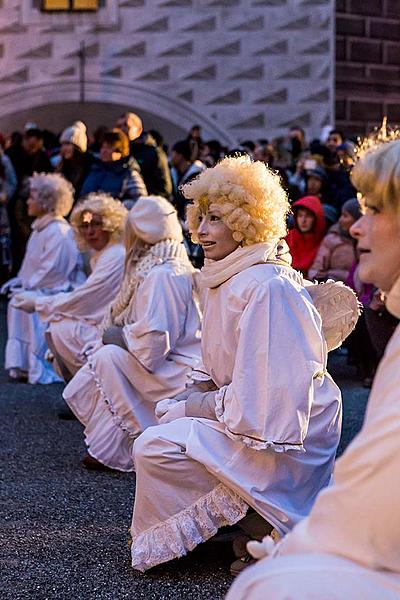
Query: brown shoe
[241,564]
[92,464]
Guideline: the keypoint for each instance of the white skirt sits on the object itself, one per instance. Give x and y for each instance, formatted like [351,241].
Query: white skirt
[178,503]
[114,397]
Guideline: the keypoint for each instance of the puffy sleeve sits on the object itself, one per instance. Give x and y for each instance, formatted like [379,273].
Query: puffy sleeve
[58,259]
[161,308]
[280,350]
[89,300]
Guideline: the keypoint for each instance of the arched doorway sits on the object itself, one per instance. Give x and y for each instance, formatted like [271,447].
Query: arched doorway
[56,105]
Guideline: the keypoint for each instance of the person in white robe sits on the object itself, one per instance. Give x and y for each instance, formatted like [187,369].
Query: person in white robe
[265,433]
[150,339]
[349,545]
[48,267]
[73,317]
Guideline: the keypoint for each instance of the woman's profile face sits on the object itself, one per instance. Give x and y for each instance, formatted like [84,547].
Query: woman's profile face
[215,237]
[378,242]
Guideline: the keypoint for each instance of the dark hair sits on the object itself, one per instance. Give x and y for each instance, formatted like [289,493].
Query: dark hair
[157,137]
[183,147]
[34,132]
[249,144]
[118,140]
[337,132]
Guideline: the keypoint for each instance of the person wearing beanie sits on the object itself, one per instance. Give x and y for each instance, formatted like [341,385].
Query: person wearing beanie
[148,339]
[337,252]
[47,268]
[73,316]
[348,548]
[74,161]
[306,236]
[258,429]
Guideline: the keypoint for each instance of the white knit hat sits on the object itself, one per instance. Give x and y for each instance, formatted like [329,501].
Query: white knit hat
[76,134]
[153,219]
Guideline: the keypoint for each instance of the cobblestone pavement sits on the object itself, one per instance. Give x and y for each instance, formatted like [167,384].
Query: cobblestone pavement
[64,530]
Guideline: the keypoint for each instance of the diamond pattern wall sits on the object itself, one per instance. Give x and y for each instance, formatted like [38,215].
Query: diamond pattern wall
[251,66]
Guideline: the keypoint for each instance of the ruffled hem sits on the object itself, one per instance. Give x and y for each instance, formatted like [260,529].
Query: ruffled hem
[246,440]
[181,533]
[117,420]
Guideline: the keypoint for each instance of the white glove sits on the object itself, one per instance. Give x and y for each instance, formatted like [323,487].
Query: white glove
[175,411]
[25,301]
[264,548]
[90,348]
[163,406]
[10,285]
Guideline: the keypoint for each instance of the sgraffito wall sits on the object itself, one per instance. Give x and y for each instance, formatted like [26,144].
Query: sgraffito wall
[240,68]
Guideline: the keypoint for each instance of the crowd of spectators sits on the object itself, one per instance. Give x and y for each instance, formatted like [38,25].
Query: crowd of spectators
[127,163]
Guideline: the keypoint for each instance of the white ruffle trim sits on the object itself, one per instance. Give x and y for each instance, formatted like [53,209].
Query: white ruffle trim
[119,422]
[181,533]
[246,440]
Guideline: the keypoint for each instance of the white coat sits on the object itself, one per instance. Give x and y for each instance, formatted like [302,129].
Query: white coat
[279,415]
[48,267]
[74,317]
[115,393]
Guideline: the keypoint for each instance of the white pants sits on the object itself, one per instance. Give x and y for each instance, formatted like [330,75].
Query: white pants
[313,577]
[178,503]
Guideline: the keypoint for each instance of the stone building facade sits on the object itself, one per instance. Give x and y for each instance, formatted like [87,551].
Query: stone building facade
[239,68]
[367,64]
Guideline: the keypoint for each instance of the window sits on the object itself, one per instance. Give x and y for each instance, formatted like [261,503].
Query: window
[70,5]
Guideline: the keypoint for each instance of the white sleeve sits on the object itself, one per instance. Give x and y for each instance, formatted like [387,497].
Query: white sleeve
[161,308]
[279,351]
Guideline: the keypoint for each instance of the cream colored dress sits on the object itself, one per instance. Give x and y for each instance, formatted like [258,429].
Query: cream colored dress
[349,546]
[278,415]
[48,268]
[115,393]
[73,317]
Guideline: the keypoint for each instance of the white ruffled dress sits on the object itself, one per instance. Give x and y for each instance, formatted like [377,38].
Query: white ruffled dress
[279,417]
[48,268]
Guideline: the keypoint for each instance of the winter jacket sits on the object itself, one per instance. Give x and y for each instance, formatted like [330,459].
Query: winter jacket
[304,246]
[335,256]
[120,178]
[153,165]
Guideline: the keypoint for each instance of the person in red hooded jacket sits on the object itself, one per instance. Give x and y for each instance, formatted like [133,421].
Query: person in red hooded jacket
[308,231]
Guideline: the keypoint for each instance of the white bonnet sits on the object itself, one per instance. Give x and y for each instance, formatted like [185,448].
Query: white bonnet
[76,134]
[153,219]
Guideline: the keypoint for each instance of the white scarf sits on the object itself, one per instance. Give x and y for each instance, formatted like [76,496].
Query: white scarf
[216,272]
[137,271]
[42,222]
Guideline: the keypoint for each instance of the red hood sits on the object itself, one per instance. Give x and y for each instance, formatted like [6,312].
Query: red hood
[304,247]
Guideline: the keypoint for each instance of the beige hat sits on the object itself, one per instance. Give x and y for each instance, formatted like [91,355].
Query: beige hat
[153,219]
[76,134]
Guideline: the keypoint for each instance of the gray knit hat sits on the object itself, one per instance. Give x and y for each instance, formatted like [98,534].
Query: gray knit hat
[76,134]
[352,206]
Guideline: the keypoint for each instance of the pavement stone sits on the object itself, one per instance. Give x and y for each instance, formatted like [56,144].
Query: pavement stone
[64,530]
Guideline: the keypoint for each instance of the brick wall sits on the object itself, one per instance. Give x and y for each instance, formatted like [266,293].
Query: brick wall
[367,64]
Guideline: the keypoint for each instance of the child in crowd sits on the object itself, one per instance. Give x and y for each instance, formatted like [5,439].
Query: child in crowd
[305,238]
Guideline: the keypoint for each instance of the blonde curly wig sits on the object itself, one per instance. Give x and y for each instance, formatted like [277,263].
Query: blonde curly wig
[113,214]
[249,196]
[53,192]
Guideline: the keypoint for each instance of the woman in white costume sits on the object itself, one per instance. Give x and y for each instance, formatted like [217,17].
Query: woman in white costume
[349,546]
[150,336]
[48,268]
[74,317]
[265,434]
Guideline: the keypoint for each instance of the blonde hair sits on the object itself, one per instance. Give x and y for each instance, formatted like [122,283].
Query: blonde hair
[376,175]
[249,196]
[112,212]
[54,193]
